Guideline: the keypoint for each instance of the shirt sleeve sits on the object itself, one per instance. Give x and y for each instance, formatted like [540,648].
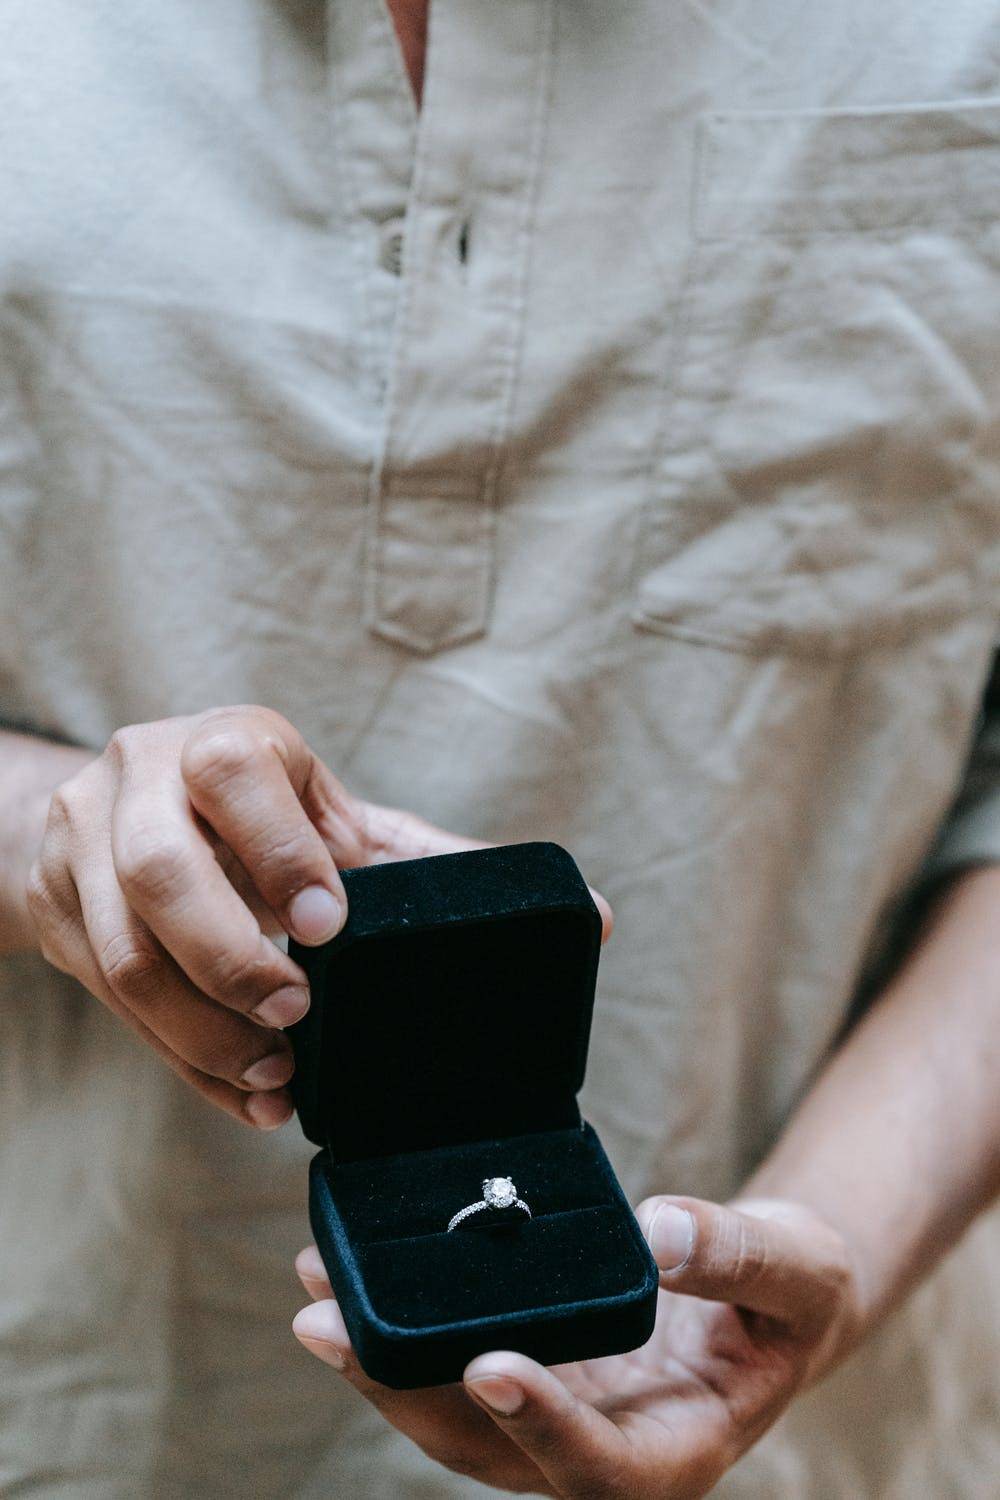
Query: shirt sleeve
[970,835]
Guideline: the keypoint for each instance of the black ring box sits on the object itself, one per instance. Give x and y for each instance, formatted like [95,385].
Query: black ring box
[446,1042]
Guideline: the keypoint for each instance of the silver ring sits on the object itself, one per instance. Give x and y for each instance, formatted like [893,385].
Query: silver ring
[498,1192]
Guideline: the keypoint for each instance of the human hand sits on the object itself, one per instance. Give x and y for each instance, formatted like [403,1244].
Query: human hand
[756,1300]
[168,864]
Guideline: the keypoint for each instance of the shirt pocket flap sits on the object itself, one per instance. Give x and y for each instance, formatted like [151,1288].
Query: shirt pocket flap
[828,478]
[830,171]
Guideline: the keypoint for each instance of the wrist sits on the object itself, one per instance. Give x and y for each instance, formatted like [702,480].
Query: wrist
[22,841]
[22,827]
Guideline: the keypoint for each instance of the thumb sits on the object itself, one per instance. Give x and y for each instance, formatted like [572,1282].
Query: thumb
[792,1269]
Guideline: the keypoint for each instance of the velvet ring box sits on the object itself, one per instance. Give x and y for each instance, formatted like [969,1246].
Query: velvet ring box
[445,1043]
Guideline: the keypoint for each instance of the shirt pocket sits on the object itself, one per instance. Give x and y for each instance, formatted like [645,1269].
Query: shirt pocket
[828,476]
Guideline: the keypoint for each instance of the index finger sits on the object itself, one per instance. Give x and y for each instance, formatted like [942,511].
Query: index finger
[248,773]
[577,1449]
[439,1419]
[312,1274]
[171,878]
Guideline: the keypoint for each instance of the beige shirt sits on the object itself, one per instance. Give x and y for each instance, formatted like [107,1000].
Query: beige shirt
[607,455]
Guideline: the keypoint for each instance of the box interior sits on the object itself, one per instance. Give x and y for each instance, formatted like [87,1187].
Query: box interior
[579,1246]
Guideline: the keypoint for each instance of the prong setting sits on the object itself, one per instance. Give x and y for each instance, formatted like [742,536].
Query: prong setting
[498,1193]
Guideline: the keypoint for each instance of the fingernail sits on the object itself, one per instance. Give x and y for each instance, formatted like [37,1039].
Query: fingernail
[498,1393]
[671,1236]
[322,1324]
[268,1111]
[286,1005]
[270,1072]
[309,1263]
[328,1352]
[315,914]
[331,1354]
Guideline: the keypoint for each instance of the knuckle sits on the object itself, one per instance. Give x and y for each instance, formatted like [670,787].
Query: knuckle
[243,973]
[749,1254]
[49,915]
[273,723]
[45,906]
[130,964]
[215,752]
[38,895]
[131,744]
[73,807]
[151,863]
[266,721]
[63,807]
[123,742]
[213,1056]
[287,859]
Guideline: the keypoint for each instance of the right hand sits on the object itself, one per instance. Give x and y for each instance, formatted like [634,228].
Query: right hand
[169,862]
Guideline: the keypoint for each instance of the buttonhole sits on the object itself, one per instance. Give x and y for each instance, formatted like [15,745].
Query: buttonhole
[391,248]
[463,243]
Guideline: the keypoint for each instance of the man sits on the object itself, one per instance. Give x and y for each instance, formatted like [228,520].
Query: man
[605,452]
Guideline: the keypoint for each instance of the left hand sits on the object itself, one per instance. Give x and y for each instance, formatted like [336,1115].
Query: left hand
[756,1301]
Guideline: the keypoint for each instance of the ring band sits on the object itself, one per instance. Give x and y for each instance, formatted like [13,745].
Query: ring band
[498,1192]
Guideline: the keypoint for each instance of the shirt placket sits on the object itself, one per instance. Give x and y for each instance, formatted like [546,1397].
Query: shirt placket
[455,333]
[375,116]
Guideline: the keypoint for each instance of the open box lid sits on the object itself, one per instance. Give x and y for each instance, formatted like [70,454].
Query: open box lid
[455,1004]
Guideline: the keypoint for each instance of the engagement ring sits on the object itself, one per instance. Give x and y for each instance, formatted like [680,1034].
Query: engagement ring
[498,1192]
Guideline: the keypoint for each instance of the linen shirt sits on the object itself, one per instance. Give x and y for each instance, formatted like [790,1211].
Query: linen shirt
[607,454]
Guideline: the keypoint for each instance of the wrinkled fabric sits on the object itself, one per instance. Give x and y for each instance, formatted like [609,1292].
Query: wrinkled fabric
[609,455]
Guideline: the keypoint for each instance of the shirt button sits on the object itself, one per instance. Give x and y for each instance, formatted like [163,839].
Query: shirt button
[390,253]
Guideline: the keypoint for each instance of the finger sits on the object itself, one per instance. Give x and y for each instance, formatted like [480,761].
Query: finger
[786,1271]
[265,1111]
[242,884]
[576,1448]
[171,879]
[251,776]
[389,833]
[145,979]
[321,1328]
[607,915]
[439,1419]
[312,1274]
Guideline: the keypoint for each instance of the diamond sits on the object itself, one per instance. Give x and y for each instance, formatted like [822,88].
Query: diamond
[499,1192]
